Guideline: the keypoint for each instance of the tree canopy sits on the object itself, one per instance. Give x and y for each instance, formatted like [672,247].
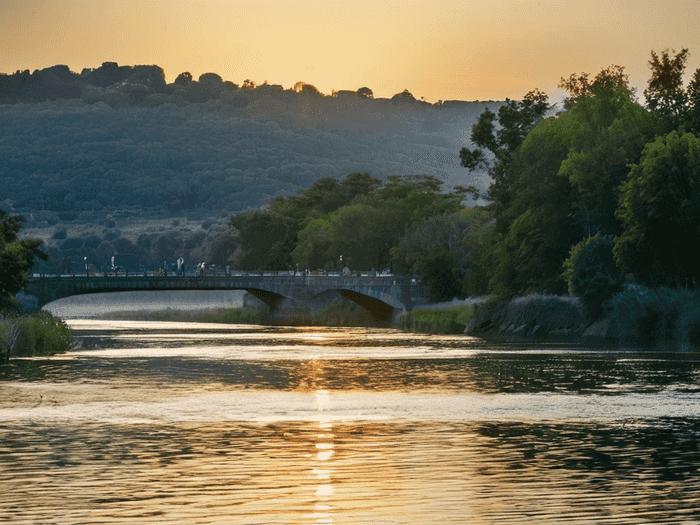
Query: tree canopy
[606,168]
[16,259]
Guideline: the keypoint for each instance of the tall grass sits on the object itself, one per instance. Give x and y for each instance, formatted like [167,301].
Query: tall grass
[449,321]
[37,334]
[212,315]
[649,315]
[343,313]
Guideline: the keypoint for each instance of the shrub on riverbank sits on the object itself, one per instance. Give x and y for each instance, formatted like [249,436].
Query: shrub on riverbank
[38,334]
[449,321]
[532,316]
[649,315]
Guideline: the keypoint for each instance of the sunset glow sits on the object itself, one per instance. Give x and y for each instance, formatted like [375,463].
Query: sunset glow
[440,50]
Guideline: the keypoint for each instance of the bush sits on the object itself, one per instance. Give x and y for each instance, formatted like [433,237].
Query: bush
[37,334]
[648,315]
[593,275]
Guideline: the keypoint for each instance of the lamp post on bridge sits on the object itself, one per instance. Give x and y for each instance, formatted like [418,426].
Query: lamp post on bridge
[86,267]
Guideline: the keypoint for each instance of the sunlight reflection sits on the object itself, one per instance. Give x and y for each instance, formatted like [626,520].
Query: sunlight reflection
[324,490]
[322,400]
[320,517]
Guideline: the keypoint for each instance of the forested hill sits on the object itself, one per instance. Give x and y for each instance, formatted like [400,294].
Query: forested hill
[79,147]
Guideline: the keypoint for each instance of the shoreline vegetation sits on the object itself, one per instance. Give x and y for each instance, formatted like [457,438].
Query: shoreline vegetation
[637,316]
[35,334]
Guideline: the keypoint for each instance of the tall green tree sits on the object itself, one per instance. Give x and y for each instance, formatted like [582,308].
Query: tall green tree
[660,211]
[266,240]
[495,147]
[664,93]
[16,259]
[559,185]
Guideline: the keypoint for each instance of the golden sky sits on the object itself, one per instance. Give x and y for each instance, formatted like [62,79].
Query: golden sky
[440,50]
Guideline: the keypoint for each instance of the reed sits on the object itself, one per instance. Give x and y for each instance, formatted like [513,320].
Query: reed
[36,334]
[448,321]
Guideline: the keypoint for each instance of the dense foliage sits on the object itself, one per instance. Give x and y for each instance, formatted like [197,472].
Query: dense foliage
[37,334]
[605,188]
[16,259]
[361,223]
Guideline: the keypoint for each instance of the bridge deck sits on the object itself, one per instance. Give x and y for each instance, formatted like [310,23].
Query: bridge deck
[394,291]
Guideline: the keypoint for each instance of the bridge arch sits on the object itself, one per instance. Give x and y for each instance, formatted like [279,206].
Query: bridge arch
[380,309]
[381,296]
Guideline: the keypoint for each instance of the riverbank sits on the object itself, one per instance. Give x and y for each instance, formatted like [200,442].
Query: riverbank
[637,317]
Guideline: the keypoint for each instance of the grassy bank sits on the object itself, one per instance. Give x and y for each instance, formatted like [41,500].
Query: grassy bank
[213,315]
[342,313]
[449,321]
[37,334]
[338,313]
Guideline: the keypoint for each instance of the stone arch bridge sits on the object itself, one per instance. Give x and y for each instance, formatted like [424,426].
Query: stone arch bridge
[290,297]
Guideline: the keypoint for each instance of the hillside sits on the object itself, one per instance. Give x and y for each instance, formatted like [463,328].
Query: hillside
[118,144]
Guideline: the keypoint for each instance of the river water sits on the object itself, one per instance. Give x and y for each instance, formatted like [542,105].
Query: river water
[154,422]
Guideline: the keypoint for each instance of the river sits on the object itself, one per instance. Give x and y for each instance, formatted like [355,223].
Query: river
[152,422]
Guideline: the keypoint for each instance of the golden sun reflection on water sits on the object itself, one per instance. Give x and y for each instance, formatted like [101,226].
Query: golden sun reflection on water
[205,436]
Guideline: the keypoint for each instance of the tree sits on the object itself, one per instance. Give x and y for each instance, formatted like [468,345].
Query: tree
[183,79]
[356,184]
[266,240]
[593,275]
[429,236]
[556,185]
[660,211]
[404,95]
[16,259]
[693,90]
[664,92]
[516,119]
[365,92]
[313,248]
[364,236]
[308,89]
[440,273]
[608,83]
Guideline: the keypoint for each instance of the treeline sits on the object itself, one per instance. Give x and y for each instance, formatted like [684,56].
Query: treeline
[405,224]
[145,84]
[603,196]
[77,147]
[597,200]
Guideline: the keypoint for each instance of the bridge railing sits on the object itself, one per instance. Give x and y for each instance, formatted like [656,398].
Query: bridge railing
[366,277]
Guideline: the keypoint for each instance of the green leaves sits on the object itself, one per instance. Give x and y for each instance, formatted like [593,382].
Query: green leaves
[660,210]
[16,258]
[360,218]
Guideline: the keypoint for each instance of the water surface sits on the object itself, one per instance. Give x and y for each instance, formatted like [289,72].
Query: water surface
[154,422]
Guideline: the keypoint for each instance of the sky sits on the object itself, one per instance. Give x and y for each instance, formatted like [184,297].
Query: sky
[439,49]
